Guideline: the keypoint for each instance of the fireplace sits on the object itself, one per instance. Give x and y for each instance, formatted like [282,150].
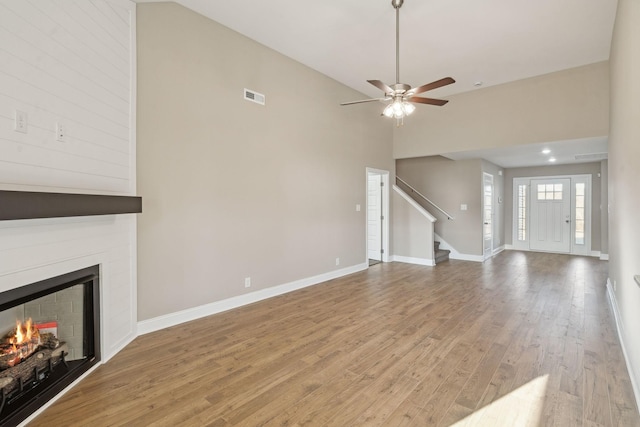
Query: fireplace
[49,337]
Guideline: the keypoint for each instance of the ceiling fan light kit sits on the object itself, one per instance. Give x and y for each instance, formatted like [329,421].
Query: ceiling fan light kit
[401,95]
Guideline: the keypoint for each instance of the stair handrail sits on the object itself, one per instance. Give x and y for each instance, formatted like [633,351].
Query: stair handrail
[413,190]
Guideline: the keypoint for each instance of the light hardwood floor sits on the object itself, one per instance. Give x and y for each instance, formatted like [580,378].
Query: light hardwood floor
[523,339]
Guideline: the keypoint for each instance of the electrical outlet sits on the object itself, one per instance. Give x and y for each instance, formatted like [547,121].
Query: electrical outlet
[247,282]
[337,261]
[20,121]
[60,132]
[357,208]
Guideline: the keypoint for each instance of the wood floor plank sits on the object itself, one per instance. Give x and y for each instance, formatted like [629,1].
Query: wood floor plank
[521,339]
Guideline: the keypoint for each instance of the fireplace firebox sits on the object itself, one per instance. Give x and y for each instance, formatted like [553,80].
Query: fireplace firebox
[49,337]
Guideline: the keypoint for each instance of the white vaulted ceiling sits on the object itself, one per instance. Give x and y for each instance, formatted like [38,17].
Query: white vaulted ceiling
[493,41]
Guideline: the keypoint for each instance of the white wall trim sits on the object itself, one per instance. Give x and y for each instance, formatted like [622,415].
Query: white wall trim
[509,247]
[455,254]
[620,328]
[412,260]
[604,257]
[415,204]
[499,249]
[168,320]
[466,257]
[386,207]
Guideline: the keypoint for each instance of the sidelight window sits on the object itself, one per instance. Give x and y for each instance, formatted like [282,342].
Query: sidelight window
[522,212]
[579,213]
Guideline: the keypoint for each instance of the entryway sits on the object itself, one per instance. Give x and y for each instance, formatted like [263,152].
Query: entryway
[552,214]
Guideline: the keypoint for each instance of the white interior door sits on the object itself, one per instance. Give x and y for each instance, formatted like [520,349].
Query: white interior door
[551,215]
[374,216]
[487,217]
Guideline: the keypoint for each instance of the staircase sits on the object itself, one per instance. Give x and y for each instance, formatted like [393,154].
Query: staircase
[440,254]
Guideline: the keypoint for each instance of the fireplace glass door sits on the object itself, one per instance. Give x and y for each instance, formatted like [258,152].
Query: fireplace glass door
[49,336]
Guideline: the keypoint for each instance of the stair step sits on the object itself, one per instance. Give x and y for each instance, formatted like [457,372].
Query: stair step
[436,245]
[441,255]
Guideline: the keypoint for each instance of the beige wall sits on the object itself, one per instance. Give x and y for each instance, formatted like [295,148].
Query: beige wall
[232,189]
[449,184]
[592,169]
[412,231]
[624,176]
[568,104]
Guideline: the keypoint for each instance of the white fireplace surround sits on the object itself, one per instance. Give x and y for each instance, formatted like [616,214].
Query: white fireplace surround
[62,72]
[34,250]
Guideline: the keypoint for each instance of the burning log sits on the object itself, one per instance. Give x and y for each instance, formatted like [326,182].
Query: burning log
[43,360]
[19,344]
[27,356]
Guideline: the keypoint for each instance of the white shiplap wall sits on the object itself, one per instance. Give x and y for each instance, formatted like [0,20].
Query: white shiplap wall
[71,62]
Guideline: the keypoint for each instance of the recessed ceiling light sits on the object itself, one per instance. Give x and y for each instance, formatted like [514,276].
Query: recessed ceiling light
[546,151]
[552,159]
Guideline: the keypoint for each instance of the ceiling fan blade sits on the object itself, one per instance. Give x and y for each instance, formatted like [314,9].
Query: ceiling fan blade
[381,86]
[430,101]
[364,100]
[431,86]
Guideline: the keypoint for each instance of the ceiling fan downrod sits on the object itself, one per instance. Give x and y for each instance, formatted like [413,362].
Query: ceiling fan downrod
[397,4]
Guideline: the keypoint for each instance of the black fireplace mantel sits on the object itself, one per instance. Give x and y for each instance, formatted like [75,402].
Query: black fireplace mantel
[32,205]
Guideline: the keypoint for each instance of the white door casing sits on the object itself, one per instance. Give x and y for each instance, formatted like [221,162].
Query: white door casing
[374,213]
[487,215]
[580,212]
[382,227]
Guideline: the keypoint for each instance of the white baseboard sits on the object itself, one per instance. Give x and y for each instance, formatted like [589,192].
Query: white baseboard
[411,260]
[168,320]
[466,257]
[620,328]
[499,249]
[596,254]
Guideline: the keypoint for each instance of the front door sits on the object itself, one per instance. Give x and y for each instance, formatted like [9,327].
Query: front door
[551,215]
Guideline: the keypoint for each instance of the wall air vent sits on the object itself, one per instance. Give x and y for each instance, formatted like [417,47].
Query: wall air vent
[592,156]
[253,96]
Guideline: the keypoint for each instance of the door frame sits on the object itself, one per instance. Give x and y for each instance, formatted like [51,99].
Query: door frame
[485,175]
[384,175]
[545,220]
[575,249]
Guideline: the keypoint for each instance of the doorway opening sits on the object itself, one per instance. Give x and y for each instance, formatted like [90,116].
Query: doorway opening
[377,210]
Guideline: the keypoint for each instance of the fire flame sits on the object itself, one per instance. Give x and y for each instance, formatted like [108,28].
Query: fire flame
[25,333]
[19,344]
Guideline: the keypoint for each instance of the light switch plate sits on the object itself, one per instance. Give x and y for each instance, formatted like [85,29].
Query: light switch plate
[20,121]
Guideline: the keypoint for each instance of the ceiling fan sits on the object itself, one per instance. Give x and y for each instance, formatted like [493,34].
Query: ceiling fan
[401,95]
